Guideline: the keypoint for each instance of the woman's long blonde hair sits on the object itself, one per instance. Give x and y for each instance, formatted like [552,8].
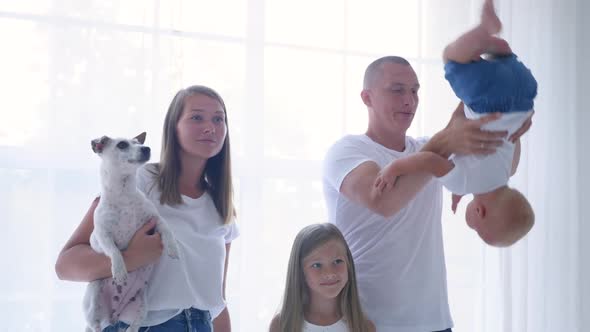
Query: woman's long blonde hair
[296,297]
[216,178]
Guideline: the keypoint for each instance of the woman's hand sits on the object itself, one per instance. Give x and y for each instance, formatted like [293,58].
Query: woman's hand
[144,248]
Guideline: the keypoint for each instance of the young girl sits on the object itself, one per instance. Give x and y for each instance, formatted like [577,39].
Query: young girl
[191,187]
[321,292]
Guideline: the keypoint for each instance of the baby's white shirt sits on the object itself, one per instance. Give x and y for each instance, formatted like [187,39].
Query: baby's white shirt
[478,174]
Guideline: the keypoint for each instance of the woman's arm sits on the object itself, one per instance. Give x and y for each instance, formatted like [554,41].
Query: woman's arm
[275,325]
[77,261]
[222,323]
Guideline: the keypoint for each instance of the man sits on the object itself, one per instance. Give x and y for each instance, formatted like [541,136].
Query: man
[396,237]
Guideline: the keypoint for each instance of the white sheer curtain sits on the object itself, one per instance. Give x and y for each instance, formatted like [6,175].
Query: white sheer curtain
[583,137]
[535,285]
[290,72]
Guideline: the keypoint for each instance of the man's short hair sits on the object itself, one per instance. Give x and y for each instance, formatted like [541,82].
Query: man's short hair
[375,68]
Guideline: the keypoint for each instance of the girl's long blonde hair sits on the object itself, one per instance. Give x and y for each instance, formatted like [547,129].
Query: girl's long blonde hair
[216,178]
[296,297]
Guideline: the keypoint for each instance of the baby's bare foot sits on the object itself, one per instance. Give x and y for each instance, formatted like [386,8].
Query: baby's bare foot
[498,46]
[489,20]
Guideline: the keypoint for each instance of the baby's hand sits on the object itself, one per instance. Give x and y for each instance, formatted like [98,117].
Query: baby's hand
[384,181]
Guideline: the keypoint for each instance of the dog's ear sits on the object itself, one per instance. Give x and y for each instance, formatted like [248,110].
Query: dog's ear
[99,144]
[141,137]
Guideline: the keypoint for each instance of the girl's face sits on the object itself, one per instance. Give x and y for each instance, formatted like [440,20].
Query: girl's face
[326,270]
[201,128]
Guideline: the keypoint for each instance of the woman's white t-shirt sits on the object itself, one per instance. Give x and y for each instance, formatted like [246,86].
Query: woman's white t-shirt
[196,278]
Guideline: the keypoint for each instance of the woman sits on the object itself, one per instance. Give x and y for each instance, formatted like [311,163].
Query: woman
[191,187]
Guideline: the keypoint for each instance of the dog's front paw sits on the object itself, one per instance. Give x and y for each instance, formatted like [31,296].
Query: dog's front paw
[132,328]
[172,249]
[120,277]
[119,273]
[93,329]
[170,244]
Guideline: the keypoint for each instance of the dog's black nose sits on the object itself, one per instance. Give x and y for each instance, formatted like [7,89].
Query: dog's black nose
[145,152]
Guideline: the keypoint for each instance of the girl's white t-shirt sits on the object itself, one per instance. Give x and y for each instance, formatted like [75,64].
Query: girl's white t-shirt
[196,278]
[339,326]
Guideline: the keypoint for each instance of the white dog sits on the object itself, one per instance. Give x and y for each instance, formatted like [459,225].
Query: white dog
[121,211]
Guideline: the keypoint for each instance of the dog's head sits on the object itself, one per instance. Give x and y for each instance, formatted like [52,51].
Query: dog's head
[124,153]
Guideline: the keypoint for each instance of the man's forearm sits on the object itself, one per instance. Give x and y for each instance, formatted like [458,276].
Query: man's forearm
[421,162]
[439,144]
[406,187]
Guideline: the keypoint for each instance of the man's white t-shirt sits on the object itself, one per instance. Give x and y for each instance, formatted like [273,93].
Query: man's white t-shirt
[196,278]
[399,261]
[477,174]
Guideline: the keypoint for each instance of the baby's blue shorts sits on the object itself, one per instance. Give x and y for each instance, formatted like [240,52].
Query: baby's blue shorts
[503,84]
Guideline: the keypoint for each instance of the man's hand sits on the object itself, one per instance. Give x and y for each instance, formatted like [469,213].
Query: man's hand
[465,136]
[523,129]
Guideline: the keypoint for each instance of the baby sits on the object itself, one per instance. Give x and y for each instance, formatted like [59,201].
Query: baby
[499,83]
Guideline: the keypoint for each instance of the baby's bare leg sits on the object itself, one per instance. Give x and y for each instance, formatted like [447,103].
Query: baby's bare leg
[479,40]
[489,20]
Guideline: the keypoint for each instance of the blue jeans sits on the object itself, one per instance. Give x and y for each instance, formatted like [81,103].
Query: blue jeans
[501,85]
[189,320]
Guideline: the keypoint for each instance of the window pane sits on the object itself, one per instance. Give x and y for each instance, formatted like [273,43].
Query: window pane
[108,82]
[437,100]
[356,115]
[128,12]
[42,221]
[25,94]
[384,27]
[305,22]
[442,22]
[26,6]
[303,102]
[219,17]
[265,243]
[97,83]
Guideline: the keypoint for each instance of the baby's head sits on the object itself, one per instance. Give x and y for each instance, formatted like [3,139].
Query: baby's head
[501,217]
